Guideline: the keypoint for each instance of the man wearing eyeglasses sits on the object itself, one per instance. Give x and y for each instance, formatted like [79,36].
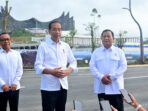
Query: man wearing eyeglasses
[10,74]
[51,63]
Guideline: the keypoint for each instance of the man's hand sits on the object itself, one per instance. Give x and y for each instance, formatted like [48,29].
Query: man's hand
[58,72]
[66,72]
[106,79]
[62,73]
[5,88]
[134,102]
[13,87]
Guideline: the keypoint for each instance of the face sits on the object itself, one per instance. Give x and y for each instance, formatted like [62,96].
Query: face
[55,32]
[5,42]
[107,39]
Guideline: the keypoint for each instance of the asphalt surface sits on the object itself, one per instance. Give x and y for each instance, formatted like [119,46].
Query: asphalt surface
[81,88]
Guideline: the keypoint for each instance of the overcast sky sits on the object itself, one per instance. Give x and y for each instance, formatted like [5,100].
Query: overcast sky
[112,14]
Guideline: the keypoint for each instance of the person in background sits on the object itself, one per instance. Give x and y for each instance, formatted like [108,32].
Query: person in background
[11,71]
[108,64]
[51,63]
[134,103]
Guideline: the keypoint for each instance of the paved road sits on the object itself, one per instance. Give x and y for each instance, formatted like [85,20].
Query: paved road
[81,88]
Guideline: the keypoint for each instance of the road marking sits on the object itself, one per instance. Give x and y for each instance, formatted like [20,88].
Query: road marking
[135,77]
[145,65]
[22,87]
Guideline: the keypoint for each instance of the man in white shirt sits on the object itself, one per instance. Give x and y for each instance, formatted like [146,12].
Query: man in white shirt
[10,74]
[107,64]
[51,63]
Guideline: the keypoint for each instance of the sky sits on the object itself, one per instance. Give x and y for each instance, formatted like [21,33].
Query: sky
[112,15]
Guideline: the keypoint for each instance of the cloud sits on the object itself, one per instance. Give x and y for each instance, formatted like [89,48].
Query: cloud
[113,16]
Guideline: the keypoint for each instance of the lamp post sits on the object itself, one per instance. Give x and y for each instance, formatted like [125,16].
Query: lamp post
[141,37]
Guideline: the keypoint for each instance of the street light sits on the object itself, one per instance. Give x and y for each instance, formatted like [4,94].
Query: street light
[141,37]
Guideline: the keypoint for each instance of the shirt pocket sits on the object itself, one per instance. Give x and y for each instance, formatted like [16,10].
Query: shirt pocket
[64,54]
[115,61]
[99,61]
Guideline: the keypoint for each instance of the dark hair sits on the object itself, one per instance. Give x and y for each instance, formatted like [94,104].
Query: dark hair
[50,23]
[3,33]
[106,31]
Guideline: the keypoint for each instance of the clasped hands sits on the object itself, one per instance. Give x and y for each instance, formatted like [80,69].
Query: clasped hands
[6,88]
[58,72]
[106,79]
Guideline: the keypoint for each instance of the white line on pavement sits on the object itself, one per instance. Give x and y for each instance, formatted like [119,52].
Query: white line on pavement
[22,87]
[135,77]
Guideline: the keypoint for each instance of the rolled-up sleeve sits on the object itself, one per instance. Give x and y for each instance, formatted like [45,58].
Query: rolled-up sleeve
[39,61]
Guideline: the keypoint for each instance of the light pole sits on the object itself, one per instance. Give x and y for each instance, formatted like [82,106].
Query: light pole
[141,37]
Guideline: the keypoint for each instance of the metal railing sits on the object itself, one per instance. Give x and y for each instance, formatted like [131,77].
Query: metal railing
[75,42]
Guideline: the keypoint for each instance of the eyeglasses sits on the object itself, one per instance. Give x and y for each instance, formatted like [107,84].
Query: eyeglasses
[4,40]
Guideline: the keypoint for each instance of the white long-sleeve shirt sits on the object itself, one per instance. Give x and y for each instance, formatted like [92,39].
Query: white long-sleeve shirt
[10,68]
[53,55]
[110,61]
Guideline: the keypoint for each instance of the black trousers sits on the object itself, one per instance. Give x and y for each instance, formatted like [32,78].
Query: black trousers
[12,97]
[114,100]
[54,100]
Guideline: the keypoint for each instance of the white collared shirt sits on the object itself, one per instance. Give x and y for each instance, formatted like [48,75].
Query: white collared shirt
[11,69]
[53,55]
[108,61]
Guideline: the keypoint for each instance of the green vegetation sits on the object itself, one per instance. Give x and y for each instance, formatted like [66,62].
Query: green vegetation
[145,42]
[24,36]
[20,33]
[93,27]
[82,64]
[70,37]
[120,41]
[72,33]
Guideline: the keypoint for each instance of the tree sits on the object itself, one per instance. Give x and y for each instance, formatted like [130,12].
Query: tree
[120,41]
[92,27]
[69,38]
[6,15]
[72,33]
[95,14]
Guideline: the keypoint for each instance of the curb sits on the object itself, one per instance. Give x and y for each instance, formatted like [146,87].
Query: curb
[145,65]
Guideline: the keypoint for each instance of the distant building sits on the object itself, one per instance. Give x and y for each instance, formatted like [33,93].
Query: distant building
[47,36]
[67,22]
[37,30]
